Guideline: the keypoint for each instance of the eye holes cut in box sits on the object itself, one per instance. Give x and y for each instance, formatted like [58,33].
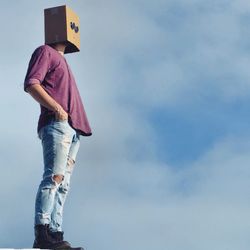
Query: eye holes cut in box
[74,27]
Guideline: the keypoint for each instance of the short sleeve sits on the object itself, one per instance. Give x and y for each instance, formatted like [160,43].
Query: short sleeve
[38,67]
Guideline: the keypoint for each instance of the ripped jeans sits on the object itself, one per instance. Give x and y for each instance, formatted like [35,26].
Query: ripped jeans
[60,146]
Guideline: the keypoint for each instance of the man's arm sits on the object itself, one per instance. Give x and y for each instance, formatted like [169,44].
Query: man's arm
[41,96]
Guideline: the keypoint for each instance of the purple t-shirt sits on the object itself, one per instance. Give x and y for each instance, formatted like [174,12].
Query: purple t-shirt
[50,69]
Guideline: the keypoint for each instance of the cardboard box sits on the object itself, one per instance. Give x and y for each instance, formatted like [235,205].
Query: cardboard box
[62,25]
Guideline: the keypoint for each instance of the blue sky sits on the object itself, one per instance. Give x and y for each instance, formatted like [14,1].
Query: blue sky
[166,86]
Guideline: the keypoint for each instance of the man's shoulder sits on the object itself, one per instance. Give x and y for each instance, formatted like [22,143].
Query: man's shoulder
[43,49]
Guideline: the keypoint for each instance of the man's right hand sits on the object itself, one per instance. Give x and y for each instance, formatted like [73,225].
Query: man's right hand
[60,114]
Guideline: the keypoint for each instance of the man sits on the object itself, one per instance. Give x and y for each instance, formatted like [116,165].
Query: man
[50,82]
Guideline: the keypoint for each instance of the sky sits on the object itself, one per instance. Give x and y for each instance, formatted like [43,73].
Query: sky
[166,87]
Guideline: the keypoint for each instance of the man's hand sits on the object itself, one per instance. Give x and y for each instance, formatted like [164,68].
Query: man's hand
[60,114]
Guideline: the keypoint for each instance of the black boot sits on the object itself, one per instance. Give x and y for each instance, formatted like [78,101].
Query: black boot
[44,241]
[58,236]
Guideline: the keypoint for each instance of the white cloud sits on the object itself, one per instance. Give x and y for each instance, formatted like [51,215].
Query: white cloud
[145,205]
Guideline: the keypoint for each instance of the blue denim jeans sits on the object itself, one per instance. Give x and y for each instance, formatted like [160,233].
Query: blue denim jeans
[60,144]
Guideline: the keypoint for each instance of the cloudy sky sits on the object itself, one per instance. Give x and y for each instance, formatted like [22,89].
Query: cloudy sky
[166,86]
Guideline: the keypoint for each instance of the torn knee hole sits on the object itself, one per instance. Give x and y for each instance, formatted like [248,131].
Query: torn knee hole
[58,178]
[71,162]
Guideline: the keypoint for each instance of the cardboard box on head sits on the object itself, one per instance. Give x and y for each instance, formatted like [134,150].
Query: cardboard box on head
[62,26]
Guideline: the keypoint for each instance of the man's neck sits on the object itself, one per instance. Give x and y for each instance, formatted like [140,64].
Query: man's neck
[60,48]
